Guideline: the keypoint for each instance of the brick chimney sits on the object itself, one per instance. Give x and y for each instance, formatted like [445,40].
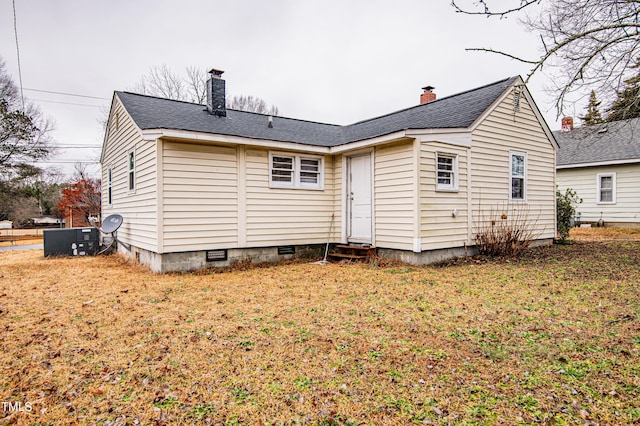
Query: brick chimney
[216,94]
[427,95]
[567,124]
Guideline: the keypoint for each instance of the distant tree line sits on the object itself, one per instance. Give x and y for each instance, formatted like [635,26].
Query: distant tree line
[26,190]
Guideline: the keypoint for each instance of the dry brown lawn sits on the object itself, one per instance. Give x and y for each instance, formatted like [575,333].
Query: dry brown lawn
[603,234]
[551,338]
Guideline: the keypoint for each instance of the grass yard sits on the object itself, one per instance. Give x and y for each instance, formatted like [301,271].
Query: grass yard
[552,338]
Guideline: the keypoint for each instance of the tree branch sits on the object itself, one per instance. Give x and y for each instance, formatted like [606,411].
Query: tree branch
[487,12]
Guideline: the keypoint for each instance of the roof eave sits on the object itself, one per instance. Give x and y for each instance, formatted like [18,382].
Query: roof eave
[364,143]
[106,128]
[452,136]
[598,163]
[154,134]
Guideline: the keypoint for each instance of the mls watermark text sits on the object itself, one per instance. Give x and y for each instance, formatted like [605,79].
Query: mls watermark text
[17,406]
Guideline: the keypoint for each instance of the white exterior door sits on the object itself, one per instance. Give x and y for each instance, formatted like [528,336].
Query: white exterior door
[359,224]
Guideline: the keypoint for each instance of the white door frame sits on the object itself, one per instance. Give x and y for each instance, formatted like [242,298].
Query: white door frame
[346,196]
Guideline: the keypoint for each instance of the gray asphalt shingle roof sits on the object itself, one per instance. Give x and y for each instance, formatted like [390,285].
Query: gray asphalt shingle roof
[615,141]
[456,111]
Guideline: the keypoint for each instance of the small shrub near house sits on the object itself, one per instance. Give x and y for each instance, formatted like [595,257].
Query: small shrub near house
[565,211]
[505,230]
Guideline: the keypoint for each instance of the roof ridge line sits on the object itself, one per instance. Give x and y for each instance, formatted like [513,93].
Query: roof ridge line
[432,102]
[157,97]
[229,109]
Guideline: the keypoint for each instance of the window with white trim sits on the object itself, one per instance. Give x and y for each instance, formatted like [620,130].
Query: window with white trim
[446,172]
[606,188]
[131,160]
[109,186]
[295,171]
[518,176]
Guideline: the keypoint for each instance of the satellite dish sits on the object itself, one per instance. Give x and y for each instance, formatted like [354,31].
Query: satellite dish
[111,223]
[109,226]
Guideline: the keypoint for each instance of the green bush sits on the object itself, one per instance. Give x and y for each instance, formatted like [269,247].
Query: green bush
[565,211]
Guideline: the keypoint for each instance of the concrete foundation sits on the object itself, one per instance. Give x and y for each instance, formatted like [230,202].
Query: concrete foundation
[435,256]
[194,260]
[426,257]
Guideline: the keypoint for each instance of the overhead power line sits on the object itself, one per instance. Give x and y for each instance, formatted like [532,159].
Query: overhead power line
[67,94]
[68,161]
[78,146]
[67,103]
[15,31]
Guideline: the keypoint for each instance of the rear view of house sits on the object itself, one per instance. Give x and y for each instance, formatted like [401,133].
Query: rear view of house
[202,185]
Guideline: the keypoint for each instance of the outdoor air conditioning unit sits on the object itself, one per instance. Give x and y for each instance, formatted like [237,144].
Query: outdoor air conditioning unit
[71,242]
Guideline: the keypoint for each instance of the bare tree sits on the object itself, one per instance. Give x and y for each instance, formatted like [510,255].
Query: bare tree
[590,44]
[251,104]
[163,82]
[196,84]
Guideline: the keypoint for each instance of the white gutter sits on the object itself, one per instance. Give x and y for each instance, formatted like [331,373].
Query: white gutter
[153,134]
[368,142]
[458,137]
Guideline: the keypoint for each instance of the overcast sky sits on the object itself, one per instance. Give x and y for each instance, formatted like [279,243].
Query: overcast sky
[329,61]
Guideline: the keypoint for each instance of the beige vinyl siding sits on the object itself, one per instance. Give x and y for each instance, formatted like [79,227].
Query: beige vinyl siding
[200,197]
[283,216]
[137,207]
[394,196]
[500,132]
[583,180]
[338,197]
[439,228]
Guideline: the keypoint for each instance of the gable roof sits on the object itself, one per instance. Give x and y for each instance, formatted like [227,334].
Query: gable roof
[607,143]
[455,111]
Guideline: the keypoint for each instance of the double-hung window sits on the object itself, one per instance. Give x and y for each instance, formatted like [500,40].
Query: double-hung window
[131,160]
[518,176]
[606,188]
[295,171]
[446,172]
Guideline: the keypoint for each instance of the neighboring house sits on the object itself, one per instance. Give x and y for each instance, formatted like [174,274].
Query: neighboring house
[602,164]
[202,186]
[47,222]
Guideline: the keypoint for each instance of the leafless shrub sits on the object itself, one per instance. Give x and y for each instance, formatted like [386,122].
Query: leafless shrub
[505,230]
